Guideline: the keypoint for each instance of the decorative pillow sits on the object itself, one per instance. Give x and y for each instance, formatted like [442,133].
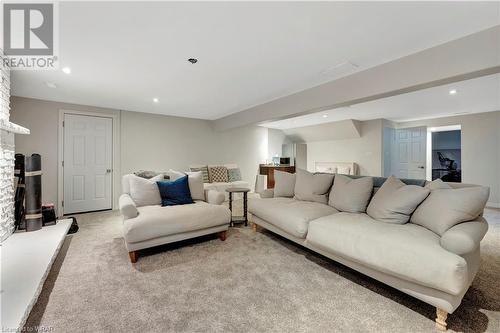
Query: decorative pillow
[284,184]
[395,201]
[218,174]
[350,195]
[144,192]
[437,184]
[234,174]
[175,192]
[445,208]
[312,186]
[204,170]
[195,181]
[149,174]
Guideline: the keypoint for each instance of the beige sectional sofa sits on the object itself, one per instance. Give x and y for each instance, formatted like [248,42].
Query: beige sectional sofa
[147,224]
[431,260]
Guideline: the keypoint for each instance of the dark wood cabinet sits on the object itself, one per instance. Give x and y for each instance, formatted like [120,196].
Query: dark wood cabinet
[268,170]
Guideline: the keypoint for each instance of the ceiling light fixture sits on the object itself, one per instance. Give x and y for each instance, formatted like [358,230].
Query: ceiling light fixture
[193,60]
[66,70]
[156,100]
[325,116]
[453,91]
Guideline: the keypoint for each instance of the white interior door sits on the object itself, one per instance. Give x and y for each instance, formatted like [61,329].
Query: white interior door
[409,154]
[87,163]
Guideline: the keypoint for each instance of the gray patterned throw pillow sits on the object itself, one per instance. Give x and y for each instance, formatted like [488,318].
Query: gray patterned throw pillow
[204,171]
[234,174]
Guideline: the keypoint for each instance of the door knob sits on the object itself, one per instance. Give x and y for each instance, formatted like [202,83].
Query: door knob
[108,170]
[421,167]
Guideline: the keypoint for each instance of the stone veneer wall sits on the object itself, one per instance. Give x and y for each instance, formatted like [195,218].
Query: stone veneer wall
[6,158]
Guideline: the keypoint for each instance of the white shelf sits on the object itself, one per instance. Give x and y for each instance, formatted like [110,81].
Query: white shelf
[13,128]
[26,259]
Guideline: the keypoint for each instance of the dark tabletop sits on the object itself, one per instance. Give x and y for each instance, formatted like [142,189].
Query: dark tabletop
[237,189]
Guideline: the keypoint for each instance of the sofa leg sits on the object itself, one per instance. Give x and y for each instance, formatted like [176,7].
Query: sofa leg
[222,235]
[133,255]
[441,316]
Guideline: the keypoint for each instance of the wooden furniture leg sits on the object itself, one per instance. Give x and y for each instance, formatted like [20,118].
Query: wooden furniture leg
[222,235]
[245,207]
[254,227]
[441,316]
[231,208]
[133,255]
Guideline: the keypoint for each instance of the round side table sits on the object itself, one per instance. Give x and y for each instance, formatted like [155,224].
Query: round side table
[238,219]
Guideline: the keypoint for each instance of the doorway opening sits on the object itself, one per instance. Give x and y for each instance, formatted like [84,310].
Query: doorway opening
[445,154]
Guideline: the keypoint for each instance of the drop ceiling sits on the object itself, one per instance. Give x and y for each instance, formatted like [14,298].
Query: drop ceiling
[122,55]
[471,96]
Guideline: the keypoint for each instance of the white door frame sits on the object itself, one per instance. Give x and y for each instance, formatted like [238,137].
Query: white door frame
[430,130]
[115,169]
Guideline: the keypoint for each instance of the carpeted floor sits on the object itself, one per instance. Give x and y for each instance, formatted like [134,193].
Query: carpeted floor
[252,282]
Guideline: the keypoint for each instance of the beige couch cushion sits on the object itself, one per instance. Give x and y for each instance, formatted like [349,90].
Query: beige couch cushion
[445,208]
[288,214]
[407,251]
[158,221]
[312,186]
[144,191]
[284,184]
[350,195]
[395,201]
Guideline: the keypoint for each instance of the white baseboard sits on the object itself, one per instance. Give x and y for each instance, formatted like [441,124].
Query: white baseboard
[490,204]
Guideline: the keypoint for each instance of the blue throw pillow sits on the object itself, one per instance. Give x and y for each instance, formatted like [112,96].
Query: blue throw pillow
[175,192]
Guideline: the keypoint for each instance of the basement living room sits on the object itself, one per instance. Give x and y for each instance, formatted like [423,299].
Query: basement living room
[250,166]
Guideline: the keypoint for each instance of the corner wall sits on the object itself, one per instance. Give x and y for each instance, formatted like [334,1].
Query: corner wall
[366,150]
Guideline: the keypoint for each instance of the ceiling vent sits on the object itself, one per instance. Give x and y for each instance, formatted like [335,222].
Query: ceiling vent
[341,69]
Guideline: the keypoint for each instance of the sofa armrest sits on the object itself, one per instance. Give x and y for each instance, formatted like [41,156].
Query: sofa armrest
[267,193]
[464,238]
[214,197]
[127,207]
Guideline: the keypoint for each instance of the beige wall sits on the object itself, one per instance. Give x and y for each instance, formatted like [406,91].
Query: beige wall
[366,151]
[42,118]
[155,142]
[147,141]
[480,148]
[276,139]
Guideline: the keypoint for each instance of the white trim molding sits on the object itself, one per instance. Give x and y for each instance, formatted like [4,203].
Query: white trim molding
[491,204]
[116,165]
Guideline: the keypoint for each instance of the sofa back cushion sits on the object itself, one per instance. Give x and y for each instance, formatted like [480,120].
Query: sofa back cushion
[143,191]
[350,195]
[195,181]
[446,207]
[312,186]
[175,192]
[218,174]
[284,184]
[395,201]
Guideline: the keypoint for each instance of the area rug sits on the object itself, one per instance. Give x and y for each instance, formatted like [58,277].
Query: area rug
[252,282]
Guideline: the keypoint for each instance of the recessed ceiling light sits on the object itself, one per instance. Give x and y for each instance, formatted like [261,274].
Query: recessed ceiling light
[66,70]
[453,91]
[51,84]
[193,60]
[156,100]
[325,116]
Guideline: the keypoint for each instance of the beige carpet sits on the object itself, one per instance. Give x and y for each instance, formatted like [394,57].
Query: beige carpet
[252,282]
